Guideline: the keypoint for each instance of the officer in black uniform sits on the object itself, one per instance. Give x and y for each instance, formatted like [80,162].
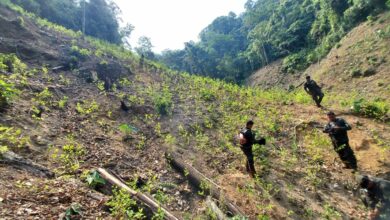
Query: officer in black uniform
[314,90]
[337,129]
[246,147]
[375,194]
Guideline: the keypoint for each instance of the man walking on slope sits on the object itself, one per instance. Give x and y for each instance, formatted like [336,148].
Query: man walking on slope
[375,194]
[247,139]
[337,129]
[314,90]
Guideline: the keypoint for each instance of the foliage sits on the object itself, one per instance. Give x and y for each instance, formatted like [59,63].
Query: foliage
[145,47]
[11,137]
[69,156]
[330,212]
[63,102]
[101,18]
[86,109]
[376,109]
[3,149]
[72,211]
[122,205]
[7,92]
[127,129]
[81,53]
[94,179]
[163,101]
[301,32]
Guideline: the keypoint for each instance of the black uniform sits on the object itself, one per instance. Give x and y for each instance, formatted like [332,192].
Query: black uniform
[378,197]
[340,141]
[247,148]
[315,91]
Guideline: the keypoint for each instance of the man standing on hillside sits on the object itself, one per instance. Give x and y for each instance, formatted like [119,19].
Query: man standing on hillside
[247,139]
[375,194]
[314,90]
[337,129]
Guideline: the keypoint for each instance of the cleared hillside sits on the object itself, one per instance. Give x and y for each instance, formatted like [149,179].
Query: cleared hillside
[65,114]
[359,65]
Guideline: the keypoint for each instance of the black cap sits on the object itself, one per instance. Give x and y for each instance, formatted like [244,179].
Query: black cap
[250,122]
[307,77]
[364,181]
[330,113]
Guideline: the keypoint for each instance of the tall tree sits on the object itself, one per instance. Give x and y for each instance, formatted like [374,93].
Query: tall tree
[145,47]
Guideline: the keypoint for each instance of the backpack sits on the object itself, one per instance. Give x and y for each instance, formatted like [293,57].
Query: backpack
[241,138]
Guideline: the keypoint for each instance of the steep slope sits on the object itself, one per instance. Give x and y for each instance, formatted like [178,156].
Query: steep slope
[82,127]
[358,64]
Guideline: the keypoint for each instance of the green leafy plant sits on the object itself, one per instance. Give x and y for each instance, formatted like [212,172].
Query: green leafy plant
[63,102]
[12,137]
[3,149]
[94,179]
[7,92]
[122,205]
[330,212]
[86,109]
[159,215]
[204,188]
[163,101]
[69,156]
[376,109]
[72,211]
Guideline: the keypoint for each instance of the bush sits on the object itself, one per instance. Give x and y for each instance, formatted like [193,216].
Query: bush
[356,72]
[123,206]
[163,101]
[295,62]
[80,52]
[7,92]
[376,109]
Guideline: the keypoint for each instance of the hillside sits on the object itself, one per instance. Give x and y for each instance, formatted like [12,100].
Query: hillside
[357,66]
[64,113]
[298,32]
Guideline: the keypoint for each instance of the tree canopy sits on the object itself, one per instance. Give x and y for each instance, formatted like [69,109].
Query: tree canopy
[298,31]
[101,16]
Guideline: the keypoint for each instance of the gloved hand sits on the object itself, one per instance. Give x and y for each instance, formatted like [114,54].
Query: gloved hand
[262,141]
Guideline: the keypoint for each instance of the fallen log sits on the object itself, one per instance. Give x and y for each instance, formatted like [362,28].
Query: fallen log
[12,159]
[143,198]
[201,181]
[214,208]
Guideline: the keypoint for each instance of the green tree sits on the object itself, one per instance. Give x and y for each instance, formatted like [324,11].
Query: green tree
[145,47]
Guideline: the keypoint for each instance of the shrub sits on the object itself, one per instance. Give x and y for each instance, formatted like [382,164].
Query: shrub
[7,92]
[70,156]
[376,109]
[94,179]
[356,72]
[163,101]
[80,52]
[294,62]
[12,137]
[86,109]
[63,102]
[123,206]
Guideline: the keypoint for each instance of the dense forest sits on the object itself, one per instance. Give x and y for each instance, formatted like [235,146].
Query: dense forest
[101,16]
[299,31]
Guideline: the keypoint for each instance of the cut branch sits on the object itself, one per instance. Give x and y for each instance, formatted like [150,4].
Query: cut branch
[199,180]
[12,159]
[143,198]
